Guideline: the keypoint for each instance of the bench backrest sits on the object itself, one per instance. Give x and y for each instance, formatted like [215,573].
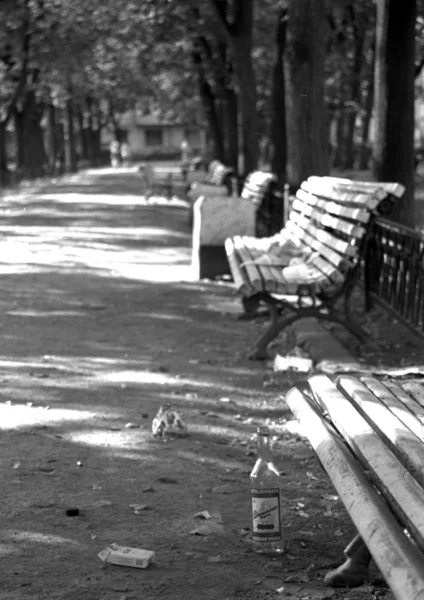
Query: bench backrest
[256,186]
[332,216]
[218,173]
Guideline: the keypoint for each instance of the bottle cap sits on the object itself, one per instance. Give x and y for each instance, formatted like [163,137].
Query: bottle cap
[262,431]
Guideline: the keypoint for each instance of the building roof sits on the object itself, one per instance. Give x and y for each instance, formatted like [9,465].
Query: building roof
[132,119]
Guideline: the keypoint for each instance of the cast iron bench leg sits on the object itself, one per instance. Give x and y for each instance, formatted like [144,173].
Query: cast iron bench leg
[355,570]
[259,351]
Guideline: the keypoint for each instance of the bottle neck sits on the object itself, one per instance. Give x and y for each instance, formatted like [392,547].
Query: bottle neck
[264,450]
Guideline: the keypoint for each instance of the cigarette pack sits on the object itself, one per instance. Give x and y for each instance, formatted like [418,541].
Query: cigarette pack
[127,557]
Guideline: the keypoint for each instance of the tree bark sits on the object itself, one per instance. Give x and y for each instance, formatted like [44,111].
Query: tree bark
[4,167]
[242,49]
[69,132]
[278,117]
[393,155]
[231,127]
[236,19]
[31,156]
[209,104]
[51,137]
[83,134]
[307,128]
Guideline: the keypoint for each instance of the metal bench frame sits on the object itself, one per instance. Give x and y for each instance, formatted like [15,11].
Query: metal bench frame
[335,306]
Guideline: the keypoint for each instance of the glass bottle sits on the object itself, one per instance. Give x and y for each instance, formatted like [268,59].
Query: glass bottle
[265,488]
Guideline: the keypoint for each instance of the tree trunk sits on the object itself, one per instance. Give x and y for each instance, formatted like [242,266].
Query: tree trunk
[364,148]
[231,127]
[359,32]
[4,166]
[83,134]
[31,155]
[210,104]
[69,131]
[51,137]
[307,129]
[393,157]
[215,130]
[96,125]
[242,49]
[278,119]
[348,142]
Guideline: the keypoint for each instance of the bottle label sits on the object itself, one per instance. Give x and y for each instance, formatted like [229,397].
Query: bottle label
[266,515]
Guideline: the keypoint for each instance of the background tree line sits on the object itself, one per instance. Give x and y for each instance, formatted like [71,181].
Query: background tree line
[292,83]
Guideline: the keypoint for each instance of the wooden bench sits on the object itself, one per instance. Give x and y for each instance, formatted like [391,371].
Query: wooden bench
[261,188]
[368,434]
[217,182]
[166,182]
[313,264]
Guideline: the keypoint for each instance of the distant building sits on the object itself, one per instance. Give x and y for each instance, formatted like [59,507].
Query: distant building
[151,136]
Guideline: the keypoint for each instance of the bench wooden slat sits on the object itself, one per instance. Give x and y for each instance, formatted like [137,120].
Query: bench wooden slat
[271,277]
[319,187]
[323,236]
[406,496]
[406,399]
[396,436]
[327,220]
[355,214]
[306,274]
[399,561]
[394,189]
[336,259]
[327,268]
[416,391]
[240,276]
[394,403]
[252,271]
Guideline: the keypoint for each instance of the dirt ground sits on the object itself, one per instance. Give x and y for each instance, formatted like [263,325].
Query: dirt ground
[101,324]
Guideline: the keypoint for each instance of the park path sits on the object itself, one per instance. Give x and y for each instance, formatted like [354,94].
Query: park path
[101,322]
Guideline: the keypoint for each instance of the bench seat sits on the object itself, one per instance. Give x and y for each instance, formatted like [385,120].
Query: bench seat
[316,256]
[369,436]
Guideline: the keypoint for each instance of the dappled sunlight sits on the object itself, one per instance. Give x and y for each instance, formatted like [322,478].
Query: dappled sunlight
[108,233]
[153,378]
[102,438]
[98,371]
[16,416]
[105,252]
[36,537]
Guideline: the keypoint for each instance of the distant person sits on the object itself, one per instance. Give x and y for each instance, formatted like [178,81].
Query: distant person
[125,154]
[115,153]
[185,157]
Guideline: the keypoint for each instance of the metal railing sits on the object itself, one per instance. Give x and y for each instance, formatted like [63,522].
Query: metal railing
[394,271]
